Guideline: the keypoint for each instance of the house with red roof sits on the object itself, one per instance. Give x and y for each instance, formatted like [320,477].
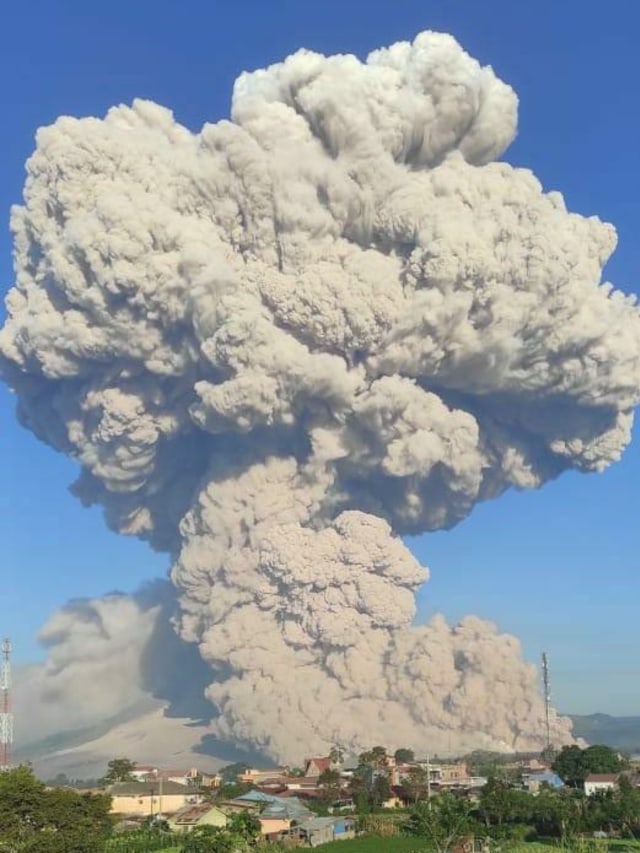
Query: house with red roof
[316,766]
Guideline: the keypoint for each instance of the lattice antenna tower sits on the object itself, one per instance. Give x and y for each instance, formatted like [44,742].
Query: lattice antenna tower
[6,715]
[547,699]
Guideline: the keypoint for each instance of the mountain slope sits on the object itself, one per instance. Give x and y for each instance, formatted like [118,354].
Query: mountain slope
[622,733]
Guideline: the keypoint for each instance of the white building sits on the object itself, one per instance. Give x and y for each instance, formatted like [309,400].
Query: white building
[600,782]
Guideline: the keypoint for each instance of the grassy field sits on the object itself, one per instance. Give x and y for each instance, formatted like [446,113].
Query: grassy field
[376,845]
[417,845]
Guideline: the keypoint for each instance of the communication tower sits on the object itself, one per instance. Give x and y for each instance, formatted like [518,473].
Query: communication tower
[6,715]
[547,700]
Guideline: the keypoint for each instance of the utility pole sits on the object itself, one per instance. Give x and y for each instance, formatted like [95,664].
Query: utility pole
[6,715]
[547,700]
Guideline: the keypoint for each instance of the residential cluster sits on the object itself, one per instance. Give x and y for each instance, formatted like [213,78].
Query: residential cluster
[287,801]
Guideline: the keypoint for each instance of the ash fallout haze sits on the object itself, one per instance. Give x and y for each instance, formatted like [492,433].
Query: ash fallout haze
[275,345]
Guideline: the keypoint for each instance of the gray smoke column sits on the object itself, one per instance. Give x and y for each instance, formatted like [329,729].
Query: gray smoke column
[279,344]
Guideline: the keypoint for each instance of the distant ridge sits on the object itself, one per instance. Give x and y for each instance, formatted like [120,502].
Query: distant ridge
[622,733]
[146,733]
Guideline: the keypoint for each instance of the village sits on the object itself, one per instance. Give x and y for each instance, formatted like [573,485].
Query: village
[287,801]
[337,796]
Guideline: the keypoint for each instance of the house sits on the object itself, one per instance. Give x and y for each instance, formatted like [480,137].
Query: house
[533,782]
[596,782]
[348,766]
[277,814]
[202,814]
[321,830]
[533,765]
[146,799]
[453,775]
[253,776]
[281,814]
[190,777]
[142,772]
[253,801]
[394,801]
[343,805]
[316,766]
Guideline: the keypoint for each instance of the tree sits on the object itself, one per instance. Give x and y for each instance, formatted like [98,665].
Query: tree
[34,819]
[231,790]
[557,813]
[627,808]
[329,784]
[370,784]
[500,803]
[445,820]
[207,839]
[231,772]
[246,825]
[336,755]
[380,791]
[574,764]
[376,757]
[614,811]
[21,803]
[404,756]
[242,832]
[119,770]
[415,784]
[602,759]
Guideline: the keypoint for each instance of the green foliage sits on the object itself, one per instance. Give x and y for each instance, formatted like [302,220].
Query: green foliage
[246,825]
[370,784]
[241,833]
[415,785]
[380,791]
[329,784]
[372,844]
[119,770]
[443,821]
[501,804]
[574,764]
[231,790]
[376,757]
[404,756]
[139,841]
[231,772]
[207,839]
[35,819]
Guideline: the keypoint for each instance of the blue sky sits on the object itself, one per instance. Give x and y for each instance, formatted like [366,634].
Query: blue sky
[558,567]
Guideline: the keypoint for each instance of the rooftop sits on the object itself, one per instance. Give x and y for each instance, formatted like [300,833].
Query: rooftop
[146,789]
[192,814]
[602,777]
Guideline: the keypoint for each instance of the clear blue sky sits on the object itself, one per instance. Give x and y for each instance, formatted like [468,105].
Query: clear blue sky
[558,567]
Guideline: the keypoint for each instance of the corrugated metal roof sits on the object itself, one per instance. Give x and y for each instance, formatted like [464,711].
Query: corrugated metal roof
[192,814]
[145,789]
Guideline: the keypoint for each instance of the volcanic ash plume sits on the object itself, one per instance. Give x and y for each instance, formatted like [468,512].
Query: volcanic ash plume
[279,344]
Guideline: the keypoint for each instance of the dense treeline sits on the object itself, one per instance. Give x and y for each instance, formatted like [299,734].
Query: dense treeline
[574,764]
[506,813]
[37,819]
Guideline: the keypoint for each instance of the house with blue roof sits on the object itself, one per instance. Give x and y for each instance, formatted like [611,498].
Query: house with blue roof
[533,782]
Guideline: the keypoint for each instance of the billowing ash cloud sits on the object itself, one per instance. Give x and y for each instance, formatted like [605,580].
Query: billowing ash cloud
[109,658]
[278,344]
